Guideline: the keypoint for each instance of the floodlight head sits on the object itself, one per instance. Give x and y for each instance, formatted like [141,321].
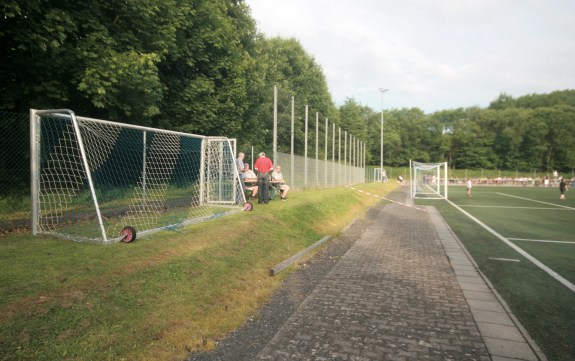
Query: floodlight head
[383,90]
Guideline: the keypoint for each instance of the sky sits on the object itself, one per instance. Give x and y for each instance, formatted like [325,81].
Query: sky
[430,54]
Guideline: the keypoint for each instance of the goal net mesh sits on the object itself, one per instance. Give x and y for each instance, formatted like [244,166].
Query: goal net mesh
[428,180]
[94,177]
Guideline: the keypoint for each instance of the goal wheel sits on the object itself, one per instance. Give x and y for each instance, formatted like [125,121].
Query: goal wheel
[248,206]
[128,234]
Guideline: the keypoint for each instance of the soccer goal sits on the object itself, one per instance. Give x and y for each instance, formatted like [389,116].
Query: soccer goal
[428,180]
[101,181]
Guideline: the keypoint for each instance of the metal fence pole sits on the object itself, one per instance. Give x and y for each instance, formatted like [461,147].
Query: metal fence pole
[351,159]
[339,182]
[364,159]
[325,155]
[292,169]
[34,169]
[345,158]
[305,148]
[333,154]
[352,168]
[316,148]
[275,135]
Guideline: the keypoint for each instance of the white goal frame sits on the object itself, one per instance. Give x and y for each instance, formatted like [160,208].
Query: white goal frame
[427,180]
[91,178]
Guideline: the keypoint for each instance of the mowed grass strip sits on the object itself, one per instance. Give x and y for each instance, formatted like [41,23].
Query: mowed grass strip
[542,304]
[163,296]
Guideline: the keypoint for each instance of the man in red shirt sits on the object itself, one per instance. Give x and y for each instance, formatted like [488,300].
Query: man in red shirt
[263,166]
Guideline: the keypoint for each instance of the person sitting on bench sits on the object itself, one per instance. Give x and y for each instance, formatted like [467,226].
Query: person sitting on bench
[251,179]
[278,177]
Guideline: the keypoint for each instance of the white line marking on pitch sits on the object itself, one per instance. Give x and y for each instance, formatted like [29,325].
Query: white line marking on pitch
[533,200]
[519,250]
[510,207]
[539,240]
[504,259]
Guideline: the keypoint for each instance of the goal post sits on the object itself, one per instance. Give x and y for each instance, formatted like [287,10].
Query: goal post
[428,180]
[91,178]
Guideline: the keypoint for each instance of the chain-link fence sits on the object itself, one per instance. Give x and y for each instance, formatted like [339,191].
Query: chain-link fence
[317,153]
[312,173]
[334,158]
[14,171]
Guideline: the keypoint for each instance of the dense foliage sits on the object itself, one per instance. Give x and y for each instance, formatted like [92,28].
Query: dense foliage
[201,66]
[174,63]
[532,132]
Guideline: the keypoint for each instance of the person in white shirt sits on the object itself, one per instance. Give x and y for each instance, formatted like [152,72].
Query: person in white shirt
[278,177]
[469,185]
[251,178]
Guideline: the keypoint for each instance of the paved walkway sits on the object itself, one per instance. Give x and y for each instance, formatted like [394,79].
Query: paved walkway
[406,290]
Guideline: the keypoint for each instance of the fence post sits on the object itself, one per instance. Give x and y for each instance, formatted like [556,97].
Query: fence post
[325,155]
[345,158]
[316,149]
[305,149]
[333,154]
[292,169]
[275,135]
[339,182]
[34,169]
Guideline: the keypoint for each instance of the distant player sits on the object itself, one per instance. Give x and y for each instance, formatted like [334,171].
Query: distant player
[469,185]
[562,188]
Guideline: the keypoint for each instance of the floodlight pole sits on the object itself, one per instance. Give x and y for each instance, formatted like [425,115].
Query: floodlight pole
[382,90]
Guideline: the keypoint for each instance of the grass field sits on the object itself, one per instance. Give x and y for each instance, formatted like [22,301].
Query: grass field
[535,220]
[163,296]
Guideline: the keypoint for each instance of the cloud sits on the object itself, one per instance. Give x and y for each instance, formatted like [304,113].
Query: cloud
[431,54]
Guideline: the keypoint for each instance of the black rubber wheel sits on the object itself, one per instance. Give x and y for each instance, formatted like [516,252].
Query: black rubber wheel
[248,206]
[128,234]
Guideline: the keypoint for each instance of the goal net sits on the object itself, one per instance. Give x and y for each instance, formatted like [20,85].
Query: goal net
[91,179]
[428,180]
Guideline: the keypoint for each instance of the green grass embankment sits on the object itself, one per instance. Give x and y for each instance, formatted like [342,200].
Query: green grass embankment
[160,297]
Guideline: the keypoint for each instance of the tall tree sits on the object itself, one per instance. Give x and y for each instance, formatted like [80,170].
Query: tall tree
[96,57]
[410,134]
[559,141]
[284,63]
[175,63]
[353,118]
[205,71]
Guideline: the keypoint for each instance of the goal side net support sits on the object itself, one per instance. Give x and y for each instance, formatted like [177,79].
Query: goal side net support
[428,180]
[91,178]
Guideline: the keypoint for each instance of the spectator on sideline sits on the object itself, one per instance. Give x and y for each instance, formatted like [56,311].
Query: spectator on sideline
[240,166]
[263,166]
[562,188]
[278,176]
[250,175]
[469,186]
[240,163]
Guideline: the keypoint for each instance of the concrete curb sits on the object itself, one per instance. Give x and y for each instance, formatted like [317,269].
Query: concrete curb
[281,266]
